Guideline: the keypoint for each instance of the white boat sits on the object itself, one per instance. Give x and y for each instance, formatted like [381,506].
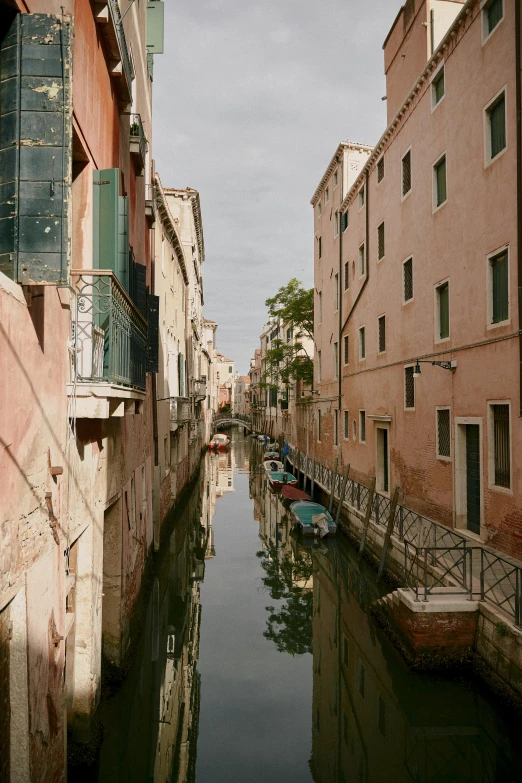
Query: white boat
[273,465]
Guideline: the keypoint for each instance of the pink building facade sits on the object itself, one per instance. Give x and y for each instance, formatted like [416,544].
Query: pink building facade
[417,261]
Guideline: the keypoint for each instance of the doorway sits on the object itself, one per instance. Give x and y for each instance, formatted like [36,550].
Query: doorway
[473,477]
[468,474]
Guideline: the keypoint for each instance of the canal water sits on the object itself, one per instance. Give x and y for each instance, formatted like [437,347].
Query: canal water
[258,662]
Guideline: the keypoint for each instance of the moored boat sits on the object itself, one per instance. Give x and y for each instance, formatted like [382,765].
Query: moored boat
[291,494]
[312,519]
[219,442]
[270,455]
[273,466]
[277,479]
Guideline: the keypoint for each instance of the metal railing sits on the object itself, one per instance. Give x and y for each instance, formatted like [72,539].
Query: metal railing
[114,10]
[199,387]
[493,577]
[136,132]
[180,410]
[110,332]
[431,567]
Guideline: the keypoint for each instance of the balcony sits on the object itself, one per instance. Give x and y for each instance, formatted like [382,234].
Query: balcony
[138,143]
[107,16]
[180,412]
[109,347]
[199,388]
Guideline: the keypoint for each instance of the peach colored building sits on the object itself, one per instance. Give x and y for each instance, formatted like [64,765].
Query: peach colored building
[417,259]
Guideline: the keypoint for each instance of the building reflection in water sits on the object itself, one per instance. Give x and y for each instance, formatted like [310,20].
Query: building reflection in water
[372,719]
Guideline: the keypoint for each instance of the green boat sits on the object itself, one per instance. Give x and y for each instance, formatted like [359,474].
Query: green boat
[312,519]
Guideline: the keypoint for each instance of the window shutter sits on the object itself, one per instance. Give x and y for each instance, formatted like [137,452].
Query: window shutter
[497,118]
[35,176]
[500,288]
[106,183]
[444,311]
[440,172]
[155,26]
[122,268]
[140,298]
[502,445]
[152,332]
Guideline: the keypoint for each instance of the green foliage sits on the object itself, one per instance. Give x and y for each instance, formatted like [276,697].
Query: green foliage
[294,305]
[501,630]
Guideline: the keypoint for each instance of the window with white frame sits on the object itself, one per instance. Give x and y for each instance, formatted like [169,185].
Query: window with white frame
[492,15]
[346,275]
[498,285]
[409,388]
[344,221]
[437,87]
[499,448]
[362,426]
[382,333]
[346,349]
[380,169]
[440,192]
[347,425]
[406,173]
[380,241]
[336,292]
[336,224]
[495,127]
[336,360]
[443,433]
[407,280]
[362,342]
[442,311]
[320,307]
[361,198]
[362,261]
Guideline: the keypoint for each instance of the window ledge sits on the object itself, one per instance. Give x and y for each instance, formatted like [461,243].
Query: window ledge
[499,325]
[437,209]
[501,490]
[490,161]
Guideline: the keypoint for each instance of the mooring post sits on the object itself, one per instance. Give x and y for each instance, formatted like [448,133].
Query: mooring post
[341,497]
[367,516]
[334,476]
[389,530]
[312,480]
[296,465]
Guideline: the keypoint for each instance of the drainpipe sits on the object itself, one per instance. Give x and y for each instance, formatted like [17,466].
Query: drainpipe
[367,250]
[340,305]
[518,83]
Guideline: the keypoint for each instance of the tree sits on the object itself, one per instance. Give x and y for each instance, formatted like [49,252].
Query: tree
[292,306]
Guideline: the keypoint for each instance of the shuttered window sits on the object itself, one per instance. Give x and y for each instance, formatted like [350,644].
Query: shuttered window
[407,268]
[406,173]
[346,349]
[320,247]
[362,263]
[336,360]
[344,221]
[380,169]
[443,433]
[346,275]
[362,426]
[362,343]
[494,13]
[499,287]
[361,198]
[35,148]
[380,240]
[497,126]
[382,334]
[501,445]
[336,427]
[318,425]
[409,388]
[438,87]
[347,424]
[443,310]
[336,292]
[440,181]
[110,225]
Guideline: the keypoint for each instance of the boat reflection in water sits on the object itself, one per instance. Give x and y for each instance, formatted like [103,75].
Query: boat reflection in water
[373,719]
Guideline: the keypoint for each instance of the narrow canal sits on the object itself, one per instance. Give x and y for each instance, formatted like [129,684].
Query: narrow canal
[258,662]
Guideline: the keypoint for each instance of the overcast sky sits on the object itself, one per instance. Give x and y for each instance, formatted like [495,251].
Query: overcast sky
[250,102]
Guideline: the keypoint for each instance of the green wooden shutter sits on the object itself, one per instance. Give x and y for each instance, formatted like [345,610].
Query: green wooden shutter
[500,288]
[152,332]
[441,181]
[444,310]
[35,149]
[111,225]
[497,118]
[155,26]
[122,269]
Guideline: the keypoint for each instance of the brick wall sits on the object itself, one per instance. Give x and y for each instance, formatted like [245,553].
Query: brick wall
[444,633]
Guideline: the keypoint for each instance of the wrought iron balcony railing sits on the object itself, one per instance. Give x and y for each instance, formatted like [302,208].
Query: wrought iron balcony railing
[110,332]
[114,10]
[180,410]
[138,142]
[199,388]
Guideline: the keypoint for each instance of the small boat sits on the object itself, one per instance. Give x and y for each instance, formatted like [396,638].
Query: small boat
[219,442]
[312,519]
[291,494]
[270,455]
[273,466]
[277,479]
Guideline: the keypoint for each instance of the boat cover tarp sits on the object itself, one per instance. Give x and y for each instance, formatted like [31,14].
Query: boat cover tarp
[292,493]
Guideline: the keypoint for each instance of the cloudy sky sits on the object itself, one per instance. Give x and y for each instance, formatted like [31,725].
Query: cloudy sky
[250,101]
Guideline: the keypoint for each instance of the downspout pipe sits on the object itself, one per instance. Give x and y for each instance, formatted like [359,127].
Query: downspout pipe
[518,102]
[367,252]
[340,305]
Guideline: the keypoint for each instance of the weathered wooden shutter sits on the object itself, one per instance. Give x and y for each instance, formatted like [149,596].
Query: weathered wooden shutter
[152,332]
[35,149]
[122,269]
[155,26]
[111,225]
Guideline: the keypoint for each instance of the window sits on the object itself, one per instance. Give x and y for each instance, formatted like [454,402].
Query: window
[439,182]
[495,122]
[346,349]
[499,287]
[492,14]
[361,198]
[409,388]
[336,360]
[406,173]
[344,221]
[362,343]
[346,275]
[318,425]
[319,366]
[336,178]
[381,715]
[336,293]
[230,369]
[319,247]
[380,241]
[382,333]
[289,335]
[320,306]
[380,169]
[499,429]
[327,195]
[361,679]
[362,426]
[354,429]
[362,264]
[443,433]
[407,280]
[336,436]
[437,88]
[442,312]
[347,424]
[319,209]
[336,224]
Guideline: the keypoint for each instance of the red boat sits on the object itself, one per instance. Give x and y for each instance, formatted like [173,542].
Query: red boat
[219,442]
[292,493]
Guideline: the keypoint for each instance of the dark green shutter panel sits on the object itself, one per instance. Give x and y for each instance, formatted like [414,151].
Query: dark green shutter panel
[152,333]
[140,299]
[35,149]
[122,269]
[500,288]
[444,310]
[111,225]
[497,118]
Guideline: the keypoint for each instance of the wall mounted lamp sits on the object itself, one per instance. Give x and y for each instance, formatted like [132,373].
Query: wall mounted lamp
[445,366]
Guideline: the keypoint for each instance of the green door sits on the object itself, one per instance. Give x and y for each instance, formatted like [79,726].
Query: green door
[473,477]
